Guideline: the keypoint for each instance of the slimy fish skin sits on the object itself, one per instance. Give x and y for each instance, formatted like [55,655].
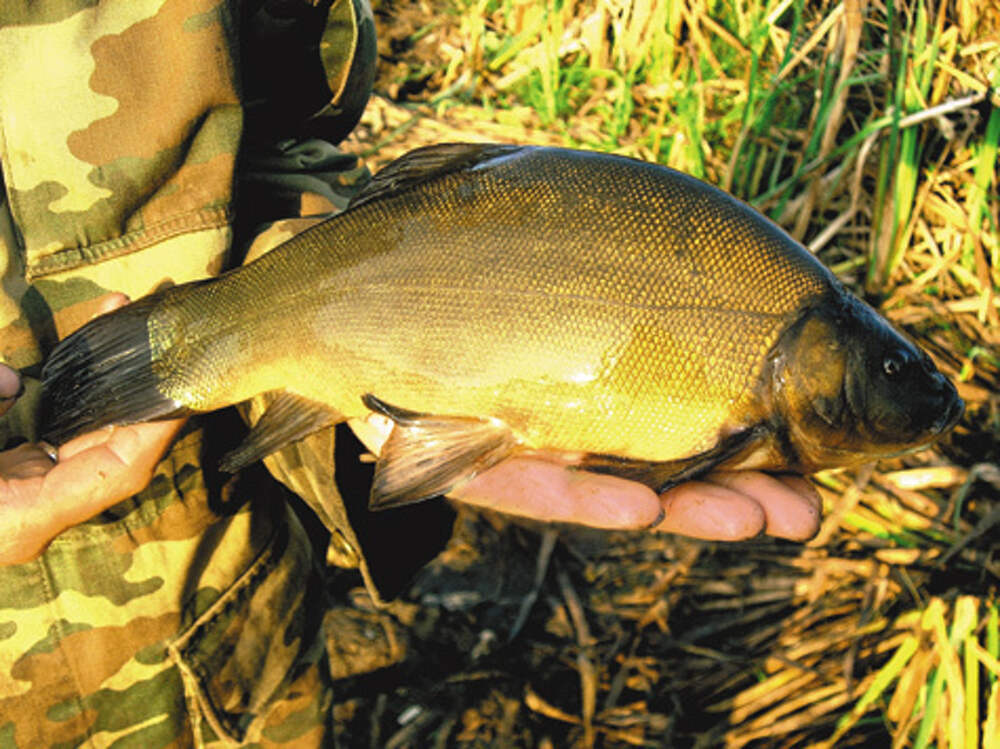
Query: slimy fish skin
[495,299]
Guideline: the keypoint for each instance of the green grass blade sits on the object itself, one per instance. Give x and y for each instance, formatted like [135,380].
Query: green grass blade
[986,165]
[886,675]
[971,692]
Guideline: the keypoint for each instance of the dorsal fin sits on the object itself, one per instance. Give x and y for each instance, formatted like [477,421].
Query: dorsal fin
[428,163]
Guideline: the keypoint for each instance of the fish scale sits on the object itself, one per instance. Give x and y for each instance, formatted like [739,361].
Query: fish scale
[527,298]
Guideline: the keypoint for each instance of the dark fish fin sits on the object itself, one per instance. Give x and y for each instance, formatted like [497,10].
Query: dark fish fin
[103,374]
[425,164]
[429,455]
[288,419]
[662,475]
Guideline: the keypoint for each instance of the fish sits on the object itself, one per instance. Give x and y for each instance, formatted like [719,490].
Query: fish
[494,300]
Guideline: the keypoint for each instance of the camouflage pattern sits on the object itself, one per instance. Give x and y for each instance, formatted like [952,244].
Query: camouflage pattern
[191,614]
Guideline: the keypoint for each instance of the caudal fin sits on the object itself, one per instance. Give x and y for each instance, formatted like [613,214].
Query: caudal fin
[103,374]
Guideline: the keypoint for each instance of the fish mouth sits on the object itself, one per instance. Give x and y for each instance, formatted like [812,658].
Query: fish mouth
[948,419]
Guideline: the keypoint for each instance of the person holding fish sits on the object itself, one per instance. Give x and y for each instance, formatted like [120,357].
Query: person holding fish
[149,595]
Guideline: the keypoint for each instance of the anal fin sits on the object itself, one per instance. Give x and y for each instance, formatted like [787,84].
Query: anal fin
[427,455]
[288,418]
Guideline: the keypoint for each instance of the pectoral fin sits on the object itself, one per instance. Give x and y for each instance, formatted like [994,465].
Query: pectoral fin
[427,455]
[662,475]
[287,419]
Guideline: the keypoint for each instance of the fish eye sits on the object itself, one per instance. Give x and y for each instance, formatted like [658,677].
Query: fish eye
[894,363]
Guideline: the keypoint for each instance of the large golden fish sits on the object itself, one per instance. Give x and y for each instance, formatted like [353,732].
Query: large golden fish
[493,299]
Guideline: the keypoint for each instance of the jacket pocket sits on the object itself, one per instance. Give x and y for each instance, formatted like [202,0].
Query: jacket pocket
[238,658]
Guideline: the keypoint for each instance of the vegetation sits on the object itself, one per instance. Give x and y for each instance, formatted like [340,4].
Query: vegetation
[870,131]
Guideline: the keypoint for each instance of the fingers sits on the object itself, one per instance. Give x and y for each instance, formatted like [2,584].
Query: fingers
[102,468]
[111,302]
[84,442]
[10,382]
[40,499]
[10,379]
[550,491]
[735,505]
[700,509]
[10,387]
[724,506]
[790,504]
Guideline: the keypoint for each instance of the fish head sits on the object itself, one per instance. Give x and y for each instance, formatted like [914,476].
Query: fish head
[898,396]
[850,388]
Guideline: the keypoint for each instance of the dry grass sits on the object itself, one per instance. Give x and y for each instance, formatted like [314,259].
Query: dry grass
[870,131]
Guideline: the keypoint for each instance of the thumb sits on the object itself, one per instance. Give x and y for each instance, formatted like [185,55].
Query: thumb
[94,472]
[10,387]
[10,380]
[111,302]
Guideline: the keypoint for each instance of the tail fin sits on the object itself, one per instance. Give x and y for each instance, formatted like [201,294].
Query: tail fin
[103,374]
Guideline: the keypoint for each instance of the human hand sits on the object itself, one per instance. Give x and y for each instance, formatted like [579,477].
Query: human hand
[721,506]
[39,498]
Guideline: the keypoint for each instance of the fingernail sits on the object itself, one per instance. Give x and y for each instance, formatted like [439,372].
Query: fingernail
[660,517]
[49,450]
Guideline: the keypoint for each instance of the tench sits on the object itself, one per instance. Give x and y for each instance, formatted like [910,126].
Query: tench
[492,299]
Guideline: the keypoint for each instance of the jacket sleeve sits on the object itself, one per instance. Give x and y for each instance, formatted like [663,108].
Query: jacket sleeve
[308,67]
[119,154]
[327,471]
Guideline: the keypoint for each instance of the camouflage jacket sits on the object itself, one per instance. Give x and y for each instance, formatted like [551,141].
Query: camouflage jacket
[188,615]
